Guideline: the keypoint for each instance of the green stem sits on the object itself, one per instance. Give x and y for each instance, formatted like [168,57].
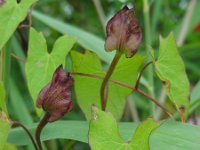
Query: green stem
[1,65]
[155,17]
[41,125]
[106,79]
[148,42]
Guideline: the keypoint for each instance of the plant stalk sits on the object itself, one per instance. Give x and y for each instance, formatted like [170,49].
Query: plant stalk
[106,79]
[41,125]
[127,86]
[16,123]
[148,41]
[141,73]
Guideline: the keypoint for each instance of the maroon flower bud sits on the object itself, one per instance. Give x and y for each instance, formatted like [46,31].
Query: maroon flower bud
[123,32]
[55,97]
[2,2]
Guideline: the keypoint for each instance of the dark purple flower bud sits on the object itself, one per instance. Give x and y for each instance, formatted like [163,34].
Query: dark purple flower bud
[55,97]
[2,2]
[123,32]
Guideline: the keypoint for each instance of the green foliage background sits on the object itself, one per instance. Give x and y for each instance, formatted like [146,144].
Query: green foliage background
[80,20]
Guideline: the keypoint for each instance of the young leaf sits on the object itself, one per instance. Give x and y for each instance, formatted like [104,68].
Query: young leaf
[2,98]
[4,129]
[88,89]
[104,134]
[40,64]
[171,70]
[11,14]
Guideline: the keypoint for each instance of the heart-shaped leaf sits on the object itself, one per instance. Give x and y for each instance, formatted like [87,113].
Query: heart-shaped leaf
[104,133]
[171,70]
[40,64]
[88,89]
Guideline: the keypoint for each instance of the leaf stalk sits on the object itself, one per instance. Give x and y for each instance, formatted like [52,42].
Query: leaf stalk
[106,79]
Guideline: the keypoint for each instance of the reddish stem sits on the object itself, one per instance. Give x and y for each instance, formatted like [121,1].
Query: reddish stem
[141,73]
[127,86]
[41,125]
[16,123]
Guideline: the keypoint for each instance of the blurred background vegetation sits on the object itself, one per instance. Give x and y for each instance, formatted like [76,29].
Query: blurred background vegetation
[156,17]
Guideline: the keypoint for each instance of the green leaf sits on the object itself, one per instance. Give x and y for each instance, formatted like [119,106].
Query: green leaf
[85,39]
[4,129]
[195,94]
[88,89]
[11,14]
[171,70]
[110,137]
[40,64]
[9,147]
[16,101]
[195,98]
[173,135]
[170,135]
[2,98]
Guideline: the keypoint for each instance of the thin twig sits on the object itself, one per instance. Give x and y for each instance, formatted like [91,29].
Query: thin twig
[29,18]
[141,73]
[127,86]
[18,58]
[155,101]
[16,123]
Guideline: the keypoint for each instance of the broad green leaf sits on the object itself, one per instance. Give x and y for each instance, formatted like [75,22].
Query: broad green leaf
[88,89]
[110,137]
[40,64]
[176,135]
[2,98]
[11,14]
[85,39]
[171,70]
[4,129]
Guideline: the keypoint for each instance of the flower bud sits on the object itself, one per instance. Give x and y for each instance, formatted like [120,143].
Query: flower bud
[123,32]
[2,2]
[55,97]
